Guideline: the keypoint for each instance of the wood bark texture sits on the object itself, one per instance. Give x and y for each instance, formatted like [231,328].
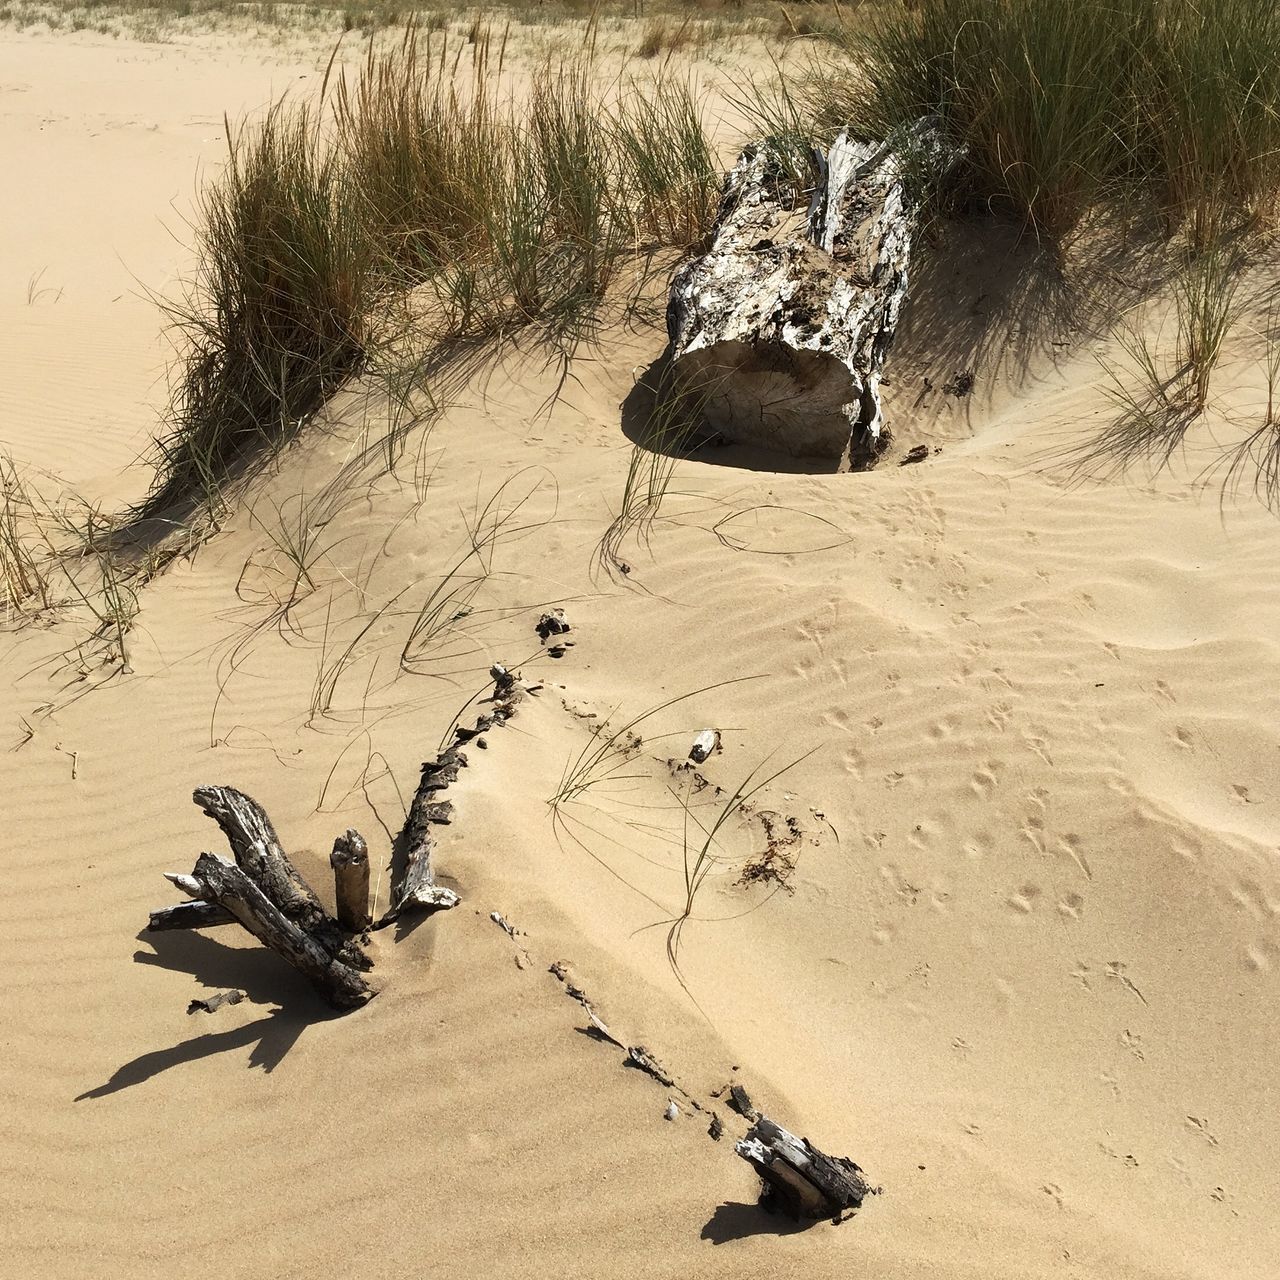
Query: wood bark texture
[418,890]
[350,863]
[229,886]
[189,915]
[779,333]
[799,1178]
[258,852]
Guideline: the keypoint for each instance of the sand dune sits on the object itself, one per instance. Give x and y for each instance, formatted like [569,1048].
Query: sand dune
[1022,969]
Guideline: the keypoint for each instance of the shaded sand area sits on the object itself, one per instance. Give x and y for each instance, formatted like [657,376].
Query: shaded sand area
[1017,950]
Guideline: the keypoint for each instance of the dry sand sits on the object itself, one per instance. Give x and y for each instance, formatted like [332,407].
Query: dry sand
[1024,970]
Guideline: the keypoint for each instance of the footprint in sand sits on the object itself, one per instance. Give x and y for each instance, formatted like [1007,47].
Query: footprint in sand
[1072,906]
[1036,739]
[1200,1126]
[1260,957]
[1183,738]
[1024,901]
[1069,847]
[1000,715]
[983,782]
[854,763]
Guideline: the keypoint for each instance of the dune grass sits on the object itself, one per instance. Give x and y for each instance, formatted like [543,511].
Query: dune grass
[1167,106]
[417,210]
[276,318]
[25,565]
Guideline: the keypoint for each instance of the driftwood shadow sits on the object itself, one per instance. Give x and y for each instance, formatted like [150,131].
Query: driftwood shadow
[263,977]
[736,1221]
[646,423]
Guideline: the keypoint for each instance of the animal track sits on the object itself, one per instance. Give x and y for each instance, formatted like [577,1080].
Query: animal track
[1069,845]
[1116,969]
[1198,1125]
[1025,899]
[1072,906]
[983,782]
[1000,715]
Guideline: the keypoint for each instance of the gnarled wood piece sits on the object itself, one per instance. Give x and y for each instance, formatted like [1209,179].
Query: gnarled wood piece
[230,887]
[780,331]
[260,855]
[798,1177]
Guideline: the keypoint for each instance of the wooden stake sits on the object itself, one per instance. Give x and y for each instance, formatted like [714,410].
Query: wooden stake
[350,863]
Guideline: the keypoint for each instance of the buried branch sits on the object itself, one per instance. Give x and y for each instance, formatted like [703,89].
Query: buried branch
[266,894]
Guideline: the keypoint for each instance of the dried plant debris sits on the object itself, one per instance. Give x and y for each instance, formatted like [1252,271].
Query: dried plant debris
[776,863]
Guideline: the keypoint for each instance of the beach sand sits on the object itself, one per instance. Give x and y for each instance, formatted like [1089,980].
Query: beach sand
[1020,960]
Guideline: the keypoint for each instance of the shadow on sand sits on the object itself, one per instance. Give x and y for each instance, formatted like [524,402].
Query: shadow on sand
[264,978]
[736,1221]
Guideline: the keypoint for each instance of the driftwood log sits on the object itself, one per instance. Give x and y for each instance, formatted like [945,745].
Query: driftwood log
[189,915]
[799,1179]
[230,886]
[264,892]
[779,332]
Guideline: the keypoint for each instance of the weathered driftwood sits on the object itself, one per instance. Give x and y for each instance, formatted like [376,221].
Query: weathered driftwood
[211,1004]
[231,887]
[189,915]
[799,1179]
[780,331]
[264,892]
[258,852]
[418,890]
[350,863]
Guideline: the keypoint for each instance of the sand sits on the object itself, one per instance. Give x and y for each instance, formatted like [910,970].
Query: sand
[1024,967]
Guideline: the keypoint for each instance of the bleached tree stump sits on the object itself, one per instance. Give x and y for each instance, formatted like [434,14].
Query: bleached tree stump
[779,332]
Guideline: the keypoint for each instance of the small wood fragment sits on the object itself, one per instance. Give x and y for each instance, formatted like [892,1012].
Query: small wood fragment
[350,863]
[553,623]
[211,1004]
[189,915]
[799,1179]
[740,1101]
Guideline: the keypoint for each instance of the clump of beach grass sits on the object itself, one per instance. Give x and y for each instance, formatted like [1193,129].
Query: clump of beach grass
[418,211]
[277,315]
[1171,107]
